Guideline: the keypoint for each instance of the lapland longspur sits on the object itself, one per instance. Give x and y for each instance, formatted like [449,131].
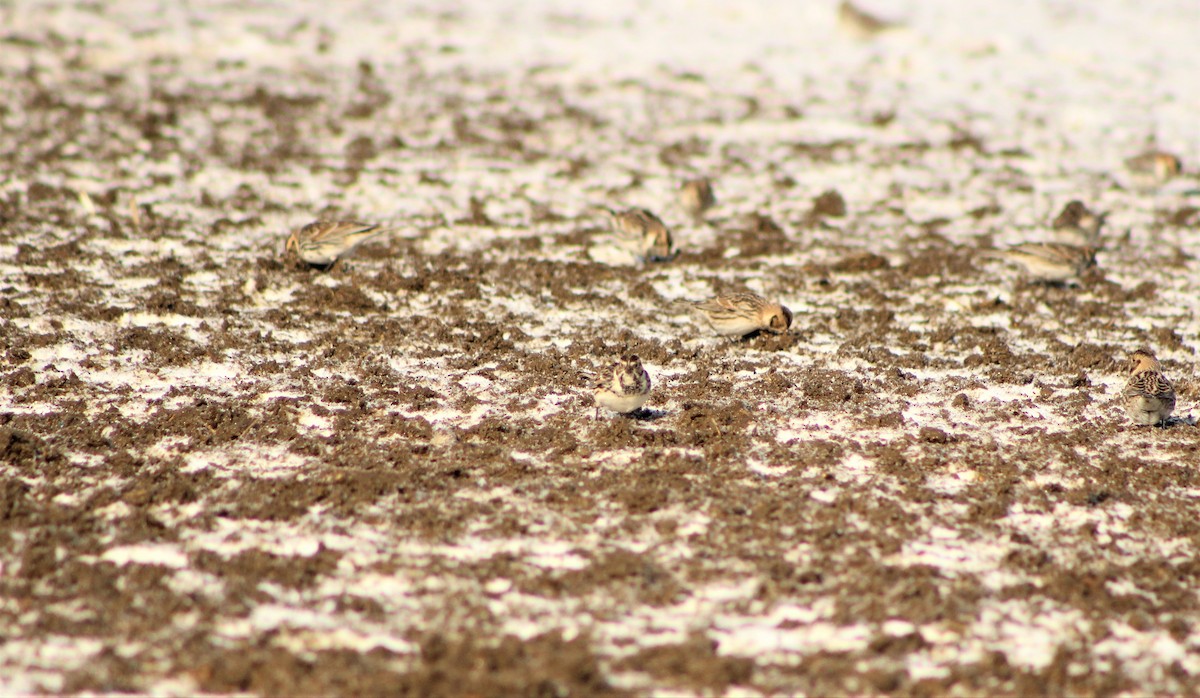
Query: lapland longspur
[739,314]
[1079,223]
[322,243]
[1148,396]
[696,196]
[626,389]
[643,233]
[1049,261]
[1154,166]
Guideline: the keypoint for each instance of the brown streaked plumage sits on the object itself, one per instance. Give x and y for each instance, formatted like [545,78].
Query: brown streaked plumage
[1049,261]
[1157,166]
[644,233]
[322,243]
[1080,223]
[739,314]
[626,389]
[1148,396]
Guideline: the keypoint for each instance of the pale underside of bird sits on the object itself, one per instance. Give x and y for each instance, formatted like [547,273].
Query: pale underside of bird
[1048,261]
[322,243]
[626,389]
[697,197]
[740,314]
[1079,223]
[1148,396]
[644,234]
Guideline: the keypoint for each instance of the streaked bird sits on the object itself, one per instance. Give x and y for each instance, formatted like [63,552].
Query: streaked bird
[322,243]
[739,314]
[626,389]
[1049,261]
[644,234]
[1154,166]
[1080,223]
[1148,396]
[696,196]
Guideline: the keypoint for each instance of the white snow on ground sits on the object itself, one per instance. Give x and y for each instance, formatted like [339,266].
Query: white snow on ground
[1075,86]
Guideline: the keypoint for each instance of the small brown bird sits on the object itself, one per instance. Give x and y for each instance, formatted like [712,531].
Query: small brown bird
[1049,261]
[859,23]
[1154,166]
[626,389]
[1148,396]
[696,196]
[322,243]
[739,314]
[1080,223]
[644,234]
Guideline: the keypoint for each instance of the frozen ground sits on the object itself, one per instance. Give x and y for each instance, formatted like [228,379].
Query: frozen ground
[222,472]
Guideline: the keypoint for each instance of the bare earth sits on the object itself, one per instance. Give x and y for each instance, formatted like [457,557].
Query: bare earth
[222,471]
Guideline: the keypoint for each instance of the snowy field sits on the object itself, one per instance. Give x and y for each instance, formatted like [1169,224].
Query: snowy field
[221,471]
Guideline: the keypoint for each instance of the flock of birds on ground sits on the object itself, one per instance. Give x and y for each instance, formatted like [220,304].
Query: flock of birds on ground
[1148,397]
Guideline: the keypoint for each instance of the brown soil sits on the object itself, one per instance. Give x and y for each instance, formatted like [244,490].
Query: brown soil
[112,436]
